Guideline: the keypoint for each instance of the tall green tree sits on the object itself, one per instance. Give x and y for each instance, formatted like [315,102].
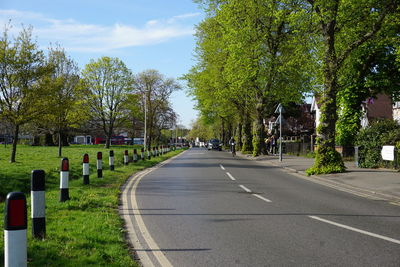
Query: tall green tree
[263,60]
[107,82]
[22,66]
[341,27]
[370,70]
[65,98]
[155,91]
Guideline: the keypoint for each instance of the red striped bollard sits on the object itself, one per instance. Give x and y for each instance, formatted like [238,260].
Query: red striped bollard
[135,155]
[38,204]
[126,157]
[142,153]
[64,179]
[99,165]
[15,225]
[111,160]
[85,169]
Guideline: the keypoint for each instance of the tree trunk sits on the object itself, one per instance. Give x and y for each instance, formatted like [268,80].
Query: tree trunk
[109,134]
[59,144]
[239,135]
[108,141]
[223,131]
[259,147]
[14,144]
[327,159]
[247,135]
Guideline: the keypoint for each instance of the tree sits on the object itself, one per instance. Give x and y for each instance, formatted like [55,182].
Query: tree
[370,70]
[155,90]
[133,110]
[250,57]
[199,129]
[342,27]
[22,66]
[65,105]
[107,82]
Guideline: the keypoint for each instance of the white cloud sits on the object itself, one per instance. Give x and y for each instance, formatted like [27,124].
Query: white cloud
[80,37]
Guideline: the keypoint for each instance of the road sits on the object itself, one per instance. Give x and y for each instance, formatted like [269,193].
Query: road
[205,208]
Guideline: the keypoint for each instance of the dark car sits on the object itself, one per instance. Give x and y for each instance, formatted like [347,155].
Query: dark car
[214,144]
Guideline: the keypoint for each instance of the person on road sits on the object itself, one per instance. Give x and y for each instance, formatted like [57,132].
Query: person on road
[232,144]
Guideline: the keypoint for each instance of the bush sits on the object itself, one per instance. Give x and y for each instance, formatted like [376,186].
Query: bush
[371,140]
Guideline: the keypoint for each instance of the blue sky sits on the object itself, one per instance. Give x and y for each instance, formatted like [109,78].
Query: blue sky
[145,34]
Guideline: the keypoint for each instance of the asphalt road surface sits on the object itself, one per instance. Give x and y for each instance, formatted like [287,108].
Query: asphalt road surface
[206,208]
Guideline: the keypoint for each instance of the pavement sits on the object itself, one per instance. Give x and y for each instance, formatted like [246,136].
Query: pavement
[379,184]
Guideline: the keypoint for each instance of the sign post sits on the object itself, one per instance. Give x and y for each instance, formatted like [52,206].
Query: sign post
[280,110]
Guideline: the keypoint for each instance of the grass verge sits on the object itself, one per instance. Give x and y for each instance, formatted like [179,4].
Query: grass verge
[87,230]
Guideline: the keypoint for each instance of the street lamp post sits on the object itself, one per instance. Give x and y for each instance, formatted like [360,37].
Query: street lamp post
[145,123]
[280,110]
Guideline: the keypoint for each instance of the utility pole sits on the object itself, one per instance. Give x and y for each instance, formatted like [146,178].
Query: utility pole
[145,123]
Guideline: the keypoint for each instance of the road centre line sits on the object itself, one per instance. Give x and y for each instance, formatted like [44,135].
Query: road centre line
[222,167]
[262,198]
[356,230]
[230,176]
[245,188]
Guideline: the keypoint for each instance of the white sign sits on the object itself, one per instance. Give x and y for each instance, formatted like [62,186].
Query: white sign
[388,153]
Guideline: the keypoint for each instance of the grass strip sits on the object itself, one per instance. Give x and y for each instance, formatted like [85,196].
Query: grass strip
[86,230]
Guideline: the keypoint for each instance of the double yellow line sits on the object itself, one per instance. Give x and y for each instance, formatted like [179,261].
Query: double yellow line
[138,234]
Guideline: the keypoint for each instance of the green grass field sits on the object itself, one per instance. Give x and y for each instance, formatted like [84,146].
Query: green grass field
[86,230]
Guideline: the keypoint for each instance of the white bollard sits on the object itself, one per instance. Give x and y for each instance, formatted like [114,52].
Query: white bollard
[38,204]
[64,179]
[126,157]
[135,155]
[85,169]
[15,225]
[111,160]
[99,165]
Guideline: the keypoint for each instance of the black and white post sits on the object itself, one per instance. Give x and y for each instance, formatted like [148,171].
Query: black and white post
[85,169]
[135,155]
[111,160]
[99,165]
[64,179]
[142,153]
[15,233]
[149,153]
[38,204]
[126,157]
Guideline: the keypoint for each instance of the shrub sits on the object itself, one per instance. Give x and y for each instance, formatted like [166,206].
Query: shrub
[371,140]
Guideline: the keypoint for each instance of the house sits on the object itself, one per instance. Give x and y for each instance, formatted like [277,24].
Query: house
[299,122]
[376,108]
[373,108]
[316,109]
[396,112]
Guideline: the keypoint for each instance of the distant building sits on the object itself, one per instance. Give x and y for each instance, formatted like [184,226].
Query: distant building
[372,108]
[376,108]
[299,123]
[316,109]
[83,140]
[396,112]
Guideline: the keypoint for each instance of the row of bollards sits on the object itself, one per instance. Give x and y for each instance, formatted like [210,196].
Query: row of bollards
[15,220]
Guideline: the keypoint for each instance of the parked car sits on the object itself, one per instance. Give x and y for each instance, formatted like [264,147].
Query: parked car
[214,144]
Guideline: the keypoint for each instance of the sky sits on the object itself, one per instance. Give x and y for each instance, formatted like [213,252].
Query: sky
[144,34]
